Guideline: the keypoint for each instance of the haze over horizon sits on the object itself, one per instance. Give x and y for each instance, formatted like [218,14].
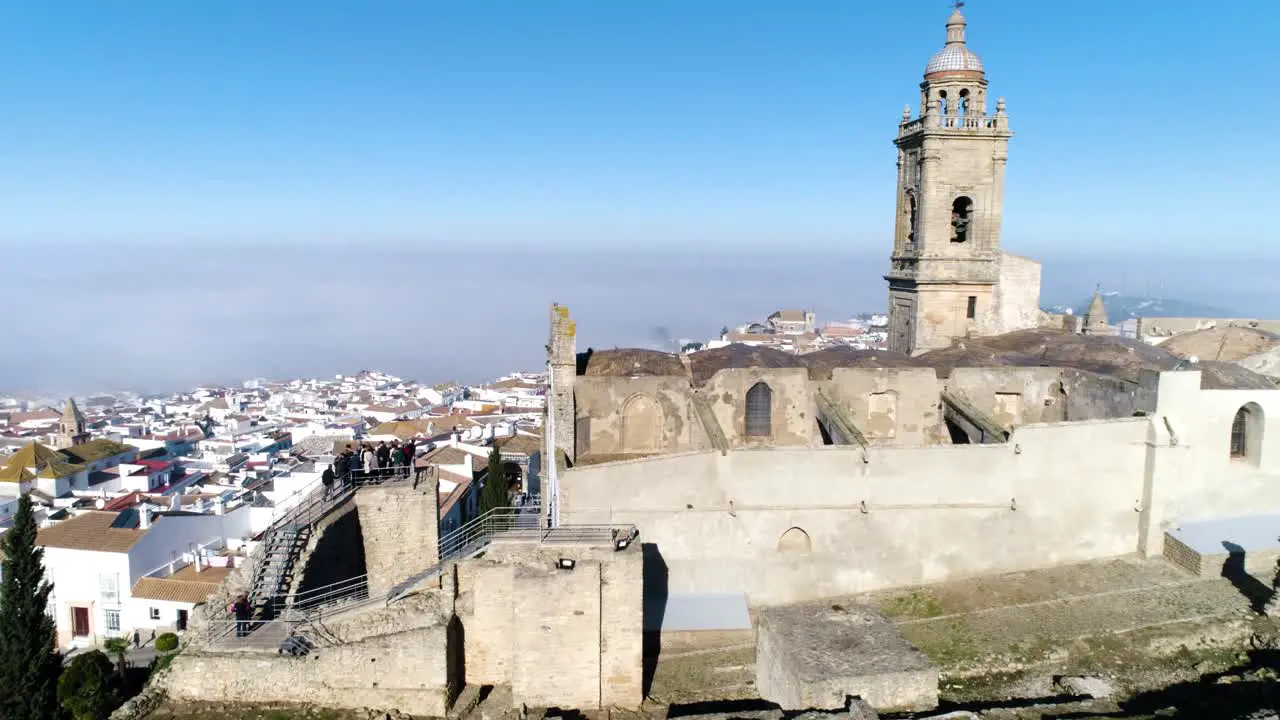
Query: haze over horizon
[214,192]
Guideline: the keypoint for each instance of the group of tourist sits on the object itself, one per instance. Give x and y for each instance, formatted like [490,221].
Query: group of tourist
[366,462]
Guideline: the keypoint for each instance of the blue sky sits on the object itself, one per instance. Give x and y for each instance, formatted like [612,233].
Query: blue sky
[720,124]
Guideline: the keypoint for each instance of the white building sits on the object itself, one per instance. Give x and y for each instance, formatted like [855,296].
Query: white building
[94,561]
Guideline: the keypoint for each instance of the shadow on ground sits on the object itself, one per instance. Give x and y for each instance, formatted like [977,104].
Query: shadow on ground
[1230,694]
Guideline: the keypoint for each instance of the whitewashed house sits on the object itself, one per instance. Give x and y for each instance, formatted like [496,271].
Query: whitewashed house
[95,560]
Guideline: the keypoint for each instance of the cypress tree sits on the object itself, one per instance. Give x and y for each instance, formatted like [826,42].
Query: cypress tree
[29,661]
[494,493]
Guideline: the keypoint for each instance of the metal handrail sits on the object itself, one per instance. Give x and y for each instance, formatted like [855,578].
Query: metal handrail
[356,588]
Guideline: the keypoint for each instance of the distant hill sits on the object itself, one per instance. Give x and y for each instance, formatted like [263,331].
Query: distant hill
[1123,307]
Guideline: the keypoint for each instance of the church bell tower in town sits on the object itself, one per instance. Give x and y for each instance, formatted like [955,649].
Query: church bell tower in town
[944,280]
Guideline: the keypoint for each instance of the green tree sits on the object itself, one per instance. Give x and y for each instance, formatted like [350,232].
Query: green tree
[724,331]
[87,689]
[29,661]
[494,492]
[117,648]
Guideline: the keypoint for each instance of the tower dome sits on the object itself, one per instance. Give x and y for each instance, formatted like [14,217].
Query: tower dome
[955,56]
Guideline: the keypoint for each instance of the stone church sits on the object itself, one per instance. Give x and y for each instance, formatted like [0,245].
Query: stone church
[991,437]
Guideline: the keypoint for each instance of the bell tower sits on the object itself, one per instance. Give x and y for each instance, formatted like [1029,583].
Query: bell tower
[71,427]
[946,264]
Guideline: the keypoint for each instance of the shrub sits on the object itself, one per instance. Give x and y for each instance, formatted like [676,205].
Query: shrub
[86,689]
[168,642]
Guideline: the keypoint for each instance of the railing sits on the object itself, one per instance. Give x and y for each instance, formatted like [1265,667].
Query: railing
[954,122]
[351,590]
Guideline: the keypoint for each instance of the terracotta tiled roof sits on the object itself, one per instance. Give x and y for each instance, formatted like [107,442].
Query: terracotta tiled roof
[521,443]
[446,502]
[90,531]
[447,455]
[186,585]
[403,429]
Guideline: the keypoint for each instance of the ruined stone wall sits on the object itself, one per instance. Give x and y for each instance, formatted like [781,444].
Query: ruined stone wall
[1018,294]
[638,415]
[1012,396]
[399,525]
[563,359]
[889,405]
[793,410]
[1090,396]
[407,671]
[905,516]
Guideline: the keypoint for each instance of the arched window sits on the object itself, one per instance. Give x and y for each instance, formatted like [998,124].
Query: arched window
[1238,428]
[1246,433]
[942,102]
[759,411]
[963,105]
[961,212]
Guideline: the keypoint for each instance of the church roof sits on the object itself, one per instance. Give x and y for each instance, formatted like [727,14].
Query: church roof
[37,461]
[95,450]
[1117,357]
[71,414]
[955,56]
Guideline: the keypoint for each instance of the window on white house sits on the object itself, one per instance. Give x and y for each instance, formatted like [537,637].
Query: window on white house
[108,588]
[113,621]
[155,613]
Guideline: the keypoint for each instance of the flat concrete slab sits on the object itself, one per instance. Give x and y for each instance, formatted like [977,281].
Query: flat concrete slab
[1251,533]
[815,655]
[691,612]
[1225,546]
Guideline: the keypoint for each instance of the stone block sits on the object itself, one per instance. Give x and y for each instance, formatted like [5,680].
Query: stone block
[816,655]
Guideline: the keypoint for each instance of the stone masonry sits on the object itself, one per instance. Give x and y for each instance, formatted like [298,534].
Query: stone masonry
[562,356]
[399,524]
[814,656]
[947,262]
[558,637]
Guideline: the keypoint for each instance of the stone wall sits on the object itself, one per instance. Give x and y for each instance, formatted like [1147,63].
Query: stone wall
[562,356]
[399,526]
[640,415]
[1018,293]
[556,656]
[793,417]
[889,405]
[1012,396]
[558,637]
[335,551]
[406,671]
[1052,494]
[905,515]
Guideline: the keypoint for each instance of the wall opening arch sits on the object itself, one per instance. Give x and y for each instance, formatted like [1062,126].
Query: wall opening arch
[795,542]
[1246,433]
[961,217]
[641,424]
[759,420]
